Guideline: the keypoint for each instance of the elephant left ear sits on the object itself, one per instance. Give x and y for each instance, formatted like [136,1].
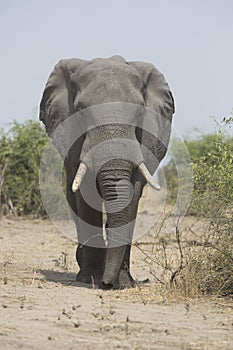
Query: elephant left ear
[57,100]
[155,123]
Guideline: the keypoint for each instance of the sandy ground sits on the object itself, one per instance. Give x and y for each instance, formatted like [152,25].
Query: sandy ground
[42,307]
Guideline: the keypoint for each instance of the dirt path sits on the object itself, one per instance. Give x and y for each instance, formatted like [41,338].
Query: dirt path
[42,307]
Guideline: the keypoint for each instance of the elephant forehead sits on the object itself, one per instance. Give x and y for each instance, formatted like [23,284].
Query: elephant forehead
[108,81]
[110,69]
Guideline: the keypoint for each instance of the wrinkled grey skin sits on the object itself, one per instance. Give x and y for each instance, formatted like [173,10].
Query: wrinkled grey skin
[74,85]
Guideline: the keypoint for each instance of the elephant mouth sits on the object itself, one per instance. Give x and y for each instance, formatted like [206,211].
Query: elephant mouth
[82,169]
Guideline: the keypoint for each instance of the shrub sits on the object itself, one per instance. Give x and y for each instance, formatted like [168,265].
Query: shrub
[21,149]
[211,157]
[213,198]
[210,269]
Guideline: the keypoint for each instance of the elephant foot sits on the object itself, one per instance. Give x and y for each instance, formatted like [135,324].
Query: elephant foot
[89,276]
[125,280]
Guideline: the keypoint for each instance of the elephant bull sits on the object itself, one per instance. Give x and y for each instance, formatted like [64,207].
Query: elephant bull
[113,158]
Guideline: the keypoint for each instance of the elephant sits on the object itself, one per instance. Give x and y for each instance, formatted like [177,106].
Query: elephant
[105,91]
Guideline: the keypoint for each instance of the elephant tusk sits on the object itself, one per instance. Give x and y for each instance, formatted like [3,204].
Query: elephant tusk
[146,174]
[82,169]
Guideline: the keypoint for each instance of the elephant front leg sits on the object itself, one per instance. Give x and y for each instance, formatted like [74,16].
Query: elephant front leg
[91,251]
[91,263]
[125,278]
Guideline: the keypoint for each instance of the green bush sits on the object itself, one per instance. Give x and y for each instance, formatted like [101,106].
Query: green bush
[213,178]
[213,198]
[20,153]
[211,268]
[211,157]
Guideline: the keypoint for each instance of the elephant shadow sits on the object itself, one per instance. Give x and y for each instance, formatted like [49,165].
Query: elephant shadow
[64,278]
[69,279]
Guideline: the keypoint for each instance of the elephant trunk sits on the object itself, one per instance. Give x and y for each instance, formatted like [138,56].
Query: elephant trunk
[113,263]
[116,190]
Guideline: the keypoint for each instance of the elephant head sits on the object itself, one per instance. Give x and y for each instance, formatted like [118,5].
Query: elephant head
[119,152]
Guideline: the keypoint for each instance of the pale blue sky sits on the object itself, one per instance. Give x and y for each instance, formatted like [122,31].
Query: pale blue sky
[191,42]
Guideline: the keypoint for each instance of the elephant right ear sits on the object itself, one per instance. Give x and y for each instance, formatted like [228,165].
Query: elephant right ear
[57,99]
[155,122]
[158,95]
[156,91]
